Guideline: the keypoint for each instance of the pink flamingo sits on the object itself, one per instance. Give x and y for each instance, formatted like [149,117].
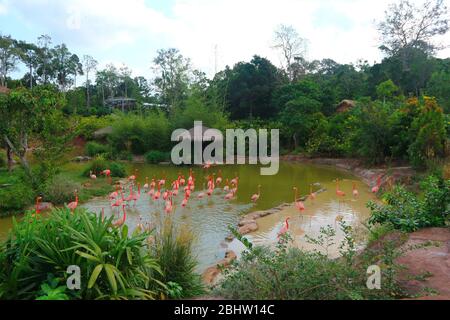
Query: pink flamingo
[153,184]
[73,205]
[146,185]
[130,196]
[137,195]
[92,176]
[219,178]
[227,186]
[133,177]
[339,192]
[285,228]
[38,205]
[312,194]
[377,187]
[298,204]
[355,191]
[120,222]
[118,202]
[107,174]
[185,201]
[162,182]
[256,196]
[114,194]
[158,193]
[182,181]
[169,205]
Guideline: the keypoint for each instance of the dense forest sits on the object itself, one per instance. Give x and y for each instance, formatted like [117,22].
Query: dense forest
[397,109]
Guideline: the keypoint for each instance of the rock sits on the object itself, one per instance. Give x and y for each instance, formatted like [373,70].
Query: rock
[210,276]
[229,238]
[248,228]
[244,222]
[81,159]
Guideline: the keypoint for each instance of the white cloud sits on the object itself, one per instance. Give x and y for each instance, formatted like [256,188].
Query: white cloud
[3,8]
[343,30]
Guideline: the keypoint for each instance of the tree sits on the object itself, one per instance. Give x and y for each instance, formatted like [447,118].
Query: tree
[173,76]
[90,64]
[29,54]
[249,87]
[45,58]
[408,26]
[292,47]
[65,65]
[125,78]
[34,114]
[9,56]
[386,90]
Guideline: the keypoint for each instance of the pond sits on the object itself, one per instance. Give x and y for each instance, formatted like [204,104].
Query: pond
[209,218]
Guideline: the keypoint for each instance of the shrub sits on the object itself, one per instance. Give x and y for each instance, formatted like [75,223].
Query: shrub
[173,250]
[60,190]
[406,212]
[94,149]
[2,160]
[292,274]
[113,264]
[155,157]
[15,195]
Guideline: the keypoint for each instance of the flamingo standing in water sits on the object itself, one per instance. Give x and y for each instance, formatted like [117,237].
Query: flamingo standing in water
[169,205]
[219,178]
[120,222]
[185,201]
[137,195]
[73,205]
[256,196]
[118,202]
[158,193]
[146,185]
[355,191]
[115,194]
[312,194]
[133,177]
[298,204]
[182,181]
[339,192]
[285,228]
[377,187]
[227,186]
[130,196]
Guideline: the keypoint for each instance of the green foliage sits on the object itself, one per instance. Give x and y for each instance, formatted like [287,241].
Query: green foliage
[155,157]
[2,160]
[405,211]
[113,264]
[386,90]
[60,190]
[86,126]
[173,251]
[138,134]
[429,133]
[51,291]
[16,194]
[289,273]
[99,164]
[94,149]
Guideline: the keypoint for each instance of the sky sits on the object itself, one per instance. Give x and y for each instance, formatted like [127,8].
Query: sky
[210,32]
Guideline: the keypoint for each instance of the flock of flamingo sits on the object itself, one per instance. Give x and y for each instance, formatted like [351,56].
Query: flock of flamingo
[156,191]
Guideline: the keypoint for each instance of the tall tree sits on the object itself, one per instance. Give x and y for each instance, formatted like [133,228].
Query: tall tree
[45,58]
[172,76]
[29,54]
[90,64]
[65,65]
[9,56]
[409,26]
[292,47]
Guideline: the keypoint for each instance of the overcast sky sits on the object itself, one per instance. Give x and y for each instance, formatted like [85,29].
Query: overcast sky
[130,31]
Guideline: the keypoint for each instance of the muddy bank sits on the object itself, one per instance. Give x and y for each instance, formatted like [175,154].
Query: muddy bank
[389,175]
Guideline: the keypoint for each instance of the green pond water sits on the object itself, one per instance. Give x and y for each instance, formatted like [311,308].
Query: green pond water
[209,218]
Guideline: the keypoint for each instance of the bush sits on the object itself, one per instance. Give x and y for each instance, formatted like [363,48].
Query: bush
[99,164]
[292,274]
[61,190]
[15,195]
[155,157]
[173,250]
[137,134]
[94,149]
[113,264]
[2,160]
[405,211]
